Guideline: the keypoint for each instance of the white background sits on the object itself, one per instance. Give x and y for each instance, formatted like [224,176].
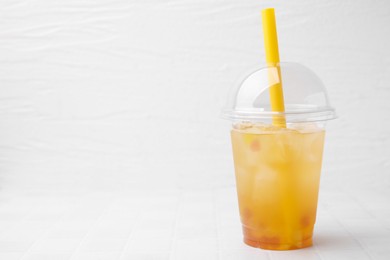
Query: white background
[116,94]
[125,95]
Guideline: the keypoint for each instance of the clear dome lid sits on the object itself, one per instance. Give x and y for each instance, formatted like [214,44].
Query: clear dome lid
[305,97]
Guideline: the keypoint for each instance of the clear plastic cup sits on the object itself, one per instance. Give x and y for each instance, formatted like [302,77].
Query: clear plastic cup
[278,168]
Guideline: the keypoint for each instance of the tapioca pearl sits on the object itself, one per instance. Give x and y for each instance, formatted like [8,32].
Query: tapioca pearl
[246,215]
[255,146]
[306,221]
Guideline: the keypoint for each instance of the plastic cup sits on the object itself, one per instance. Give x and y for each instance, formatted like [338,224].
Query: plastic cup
[278,169]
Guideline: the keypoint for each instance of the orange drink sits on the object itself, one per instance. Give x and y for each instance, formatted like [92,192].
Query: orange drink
[277,175]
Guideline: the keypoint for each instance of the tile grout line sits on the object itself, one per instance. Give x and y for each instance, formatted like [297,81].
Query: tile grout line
[43,234]
[29,212]
[362,206]
[368,211]
[131,235]
[175,228]
[365,250]
[88,232]
[315,249]
[216,218]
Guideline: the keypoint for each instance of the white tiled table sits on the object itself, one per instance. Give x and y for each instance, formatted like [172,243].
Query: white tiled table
[177,224]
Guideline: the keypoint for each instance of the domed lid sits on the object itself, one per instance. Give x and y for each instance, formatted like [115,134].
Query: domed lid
[305,97]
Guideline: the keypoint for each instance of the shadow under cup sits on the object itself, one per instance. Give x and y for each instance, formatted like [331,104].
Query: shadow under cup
[278,167]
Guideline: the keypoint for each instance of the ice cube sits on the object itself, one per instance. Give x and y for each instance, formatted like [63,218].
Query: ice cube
[305,127]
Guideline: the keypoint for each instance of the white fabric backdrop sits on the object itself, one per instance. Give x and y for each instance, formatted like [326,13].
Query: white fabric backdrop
[126,94]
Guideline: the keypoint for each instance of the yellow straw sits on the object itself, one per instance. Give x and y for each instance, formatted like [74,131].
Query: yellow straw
[277,105]
[272,59]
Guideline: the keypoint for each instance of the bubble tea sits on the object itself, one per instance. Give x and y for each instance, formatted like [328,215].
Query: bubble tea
[278,168]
